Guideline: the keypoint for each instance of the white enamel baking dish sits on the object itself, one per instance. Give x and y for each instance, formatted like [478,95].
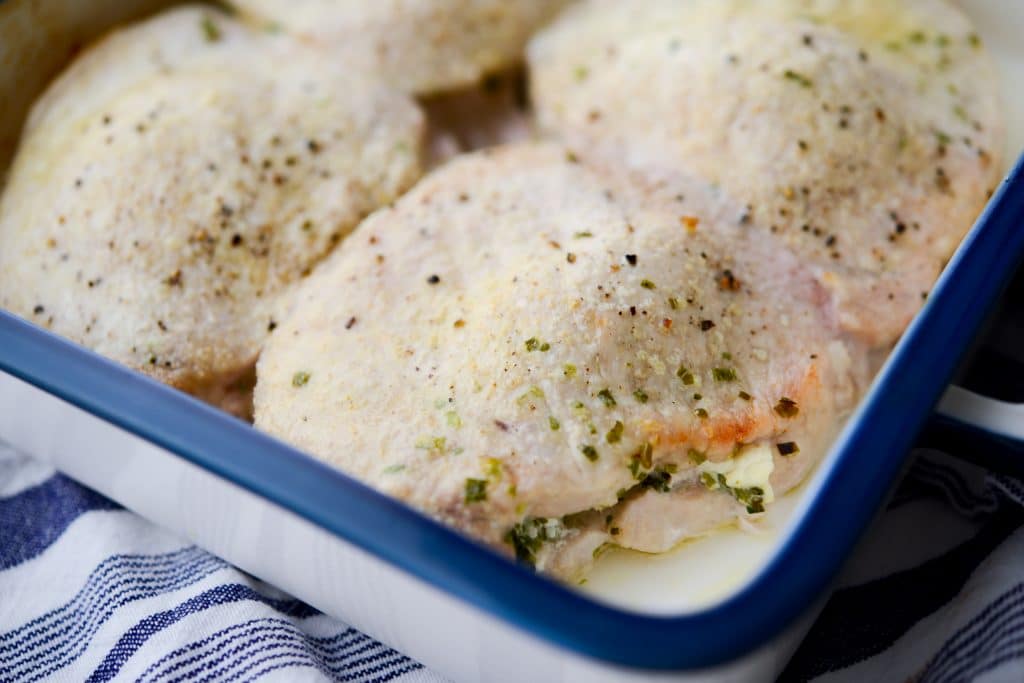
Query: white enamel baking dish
[422,588]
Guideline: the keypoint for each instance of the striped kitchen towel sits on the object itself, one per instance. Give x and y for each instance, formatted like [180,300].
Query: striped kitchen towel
[91,592]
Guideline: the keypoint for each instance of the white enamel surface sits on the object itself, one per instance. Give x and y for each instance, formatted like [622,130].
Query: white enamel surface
[424,622]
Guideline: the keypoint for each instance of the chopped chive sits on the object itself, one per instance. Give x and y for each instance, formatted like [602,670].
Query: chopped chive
[553,423]
[300,379]
[723,374]
[659,479]
[640,395]
[532,344]
[695,456]
[391,469]
[476,490]
[615,433]
[685,375]
[673,303]
[210,30]
[589,452]
[788,448]
[787,407]
[745,396]
[701,413]
[647,284]
[569,370]
[641,457]
[606,397]
[800,79]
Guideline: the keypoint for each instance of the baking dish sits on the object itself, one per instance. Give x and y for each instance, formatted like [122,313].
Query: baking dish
[397,575]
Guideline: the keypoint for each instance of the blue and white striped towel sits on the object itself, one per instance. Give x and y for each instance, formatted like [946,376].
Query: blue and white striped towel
[89,591]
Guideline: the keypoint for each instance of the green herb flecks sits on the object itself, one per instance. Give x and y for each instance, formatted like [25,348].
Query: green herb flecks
[752,498]
[211,32]
[641,460]
[787,408]
[606,398]
[527,537]
[614,434]
[437,444]
[684,374]
[534,392]
[640,395]
[659,479]
[589,452]
[723,374]
[798,78]
[553,423]
[476,490]
[534,344]
[300,379]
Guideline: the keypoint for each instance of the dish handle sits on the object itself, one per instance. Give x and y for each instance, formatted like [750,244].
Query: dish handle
[985,431]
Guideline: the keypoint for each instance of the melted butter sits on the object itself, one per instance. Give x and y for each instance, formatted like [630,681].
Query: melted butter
[752,467]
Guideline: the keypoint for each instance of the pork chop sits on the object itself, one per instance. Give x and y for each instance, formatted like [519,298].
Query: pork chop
[865,135]
[177,180]
[523,338]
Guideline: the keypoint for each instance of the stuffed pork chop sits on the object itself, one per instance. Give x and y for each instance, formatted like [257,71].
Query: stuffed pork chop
[864,135]
[421,46]
[530,349]
[178,179]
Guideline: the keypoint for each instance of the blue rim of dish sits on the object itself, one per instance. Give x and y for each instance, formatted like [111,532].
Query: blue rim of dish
[858,475]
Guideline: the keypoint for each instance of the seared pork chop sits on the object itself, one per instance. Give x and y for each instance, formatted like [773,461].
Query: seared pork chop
[522,338]
[178,179]
[864,135]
